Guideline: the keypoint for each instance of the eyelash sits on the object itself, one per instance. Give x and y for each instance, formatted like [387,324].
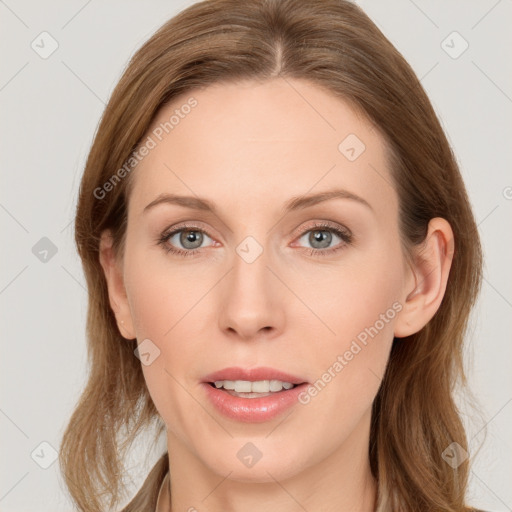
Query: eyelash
[346,236]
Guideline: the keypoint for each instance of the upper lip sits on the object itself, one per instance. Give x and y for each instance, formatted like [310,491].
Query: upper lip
[253,374]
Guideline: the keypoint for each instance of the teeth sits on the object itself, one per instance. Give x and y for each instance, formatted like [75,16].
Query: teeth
[243,386]
[260,386]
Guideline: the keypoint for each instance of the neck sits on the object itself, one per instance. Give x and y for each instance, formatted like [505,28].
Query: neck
[340,481]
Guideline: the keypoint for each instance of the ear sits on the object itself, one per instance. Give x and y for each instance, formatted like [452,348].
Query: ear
[427,278]
[115,283]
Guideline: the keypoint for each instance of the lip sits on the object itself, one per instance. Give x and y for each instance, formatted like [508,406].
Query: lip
[253,374]
[253,410]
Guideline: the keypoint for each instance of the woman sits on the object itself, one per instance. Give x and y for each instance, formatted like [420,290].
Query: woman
[281,259]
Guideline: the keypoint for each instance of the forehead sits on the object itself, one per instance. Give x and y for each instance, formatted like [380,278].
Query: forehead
[269,140]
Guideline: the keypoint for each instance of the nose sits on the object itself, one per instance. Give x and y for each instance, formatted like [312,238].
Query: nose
[252,299]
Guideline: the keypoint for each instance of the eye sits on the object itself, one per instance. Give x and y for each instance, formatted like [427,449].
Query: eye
[185,240]
[321,238]
[191,238]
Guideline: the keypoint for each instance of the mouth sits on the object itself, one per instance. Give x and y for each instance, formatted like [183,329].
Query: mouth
[261,380]
[252,389]
[253,395]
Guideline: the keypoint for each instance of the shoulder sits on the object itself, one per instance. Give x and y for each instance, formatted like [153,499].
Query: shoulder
[146,498]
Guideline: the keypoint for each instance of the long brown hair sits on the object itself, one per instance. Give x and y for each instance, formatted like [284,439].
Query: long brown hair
[333,44]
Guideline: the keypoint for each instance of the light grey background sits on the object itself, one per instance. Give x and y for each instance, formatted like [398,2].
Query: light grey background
[50,110]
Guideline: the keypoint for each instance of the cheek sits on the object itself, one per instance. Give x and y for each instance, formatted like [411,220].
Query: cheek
[361,294]
[161,318]
[158,294]
[171,307]
[358,309]
[160,301]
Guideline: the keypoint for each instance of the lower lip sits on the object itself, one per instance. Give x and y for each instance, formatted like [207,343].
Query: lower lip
[253,410]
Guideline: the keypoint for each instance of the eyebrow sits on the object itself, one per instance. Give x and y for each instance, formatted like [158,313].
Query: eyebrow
[293,204]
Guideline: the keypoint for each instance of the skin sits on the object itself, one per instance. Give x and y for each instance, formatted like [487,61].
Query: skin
[248,148]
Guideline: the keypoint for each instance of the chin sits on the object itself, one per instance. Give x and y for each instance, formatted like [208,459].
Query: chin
[256,461]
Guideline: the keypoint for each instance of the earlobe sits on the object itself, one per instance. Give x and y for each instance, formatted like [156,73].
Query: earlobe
[429,276]
[115,284]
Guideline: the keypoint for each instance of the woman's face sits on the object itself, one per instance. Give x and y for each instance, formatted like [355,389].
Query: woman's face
[266,278]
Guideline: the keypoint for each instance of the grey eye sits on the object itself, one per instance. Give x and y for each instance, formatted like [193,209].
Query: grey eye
[189,238]
[319,238]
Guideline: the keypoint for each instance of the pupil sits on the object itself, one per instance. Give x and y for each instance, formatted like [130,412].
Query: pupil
[190,237]
[324,237]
